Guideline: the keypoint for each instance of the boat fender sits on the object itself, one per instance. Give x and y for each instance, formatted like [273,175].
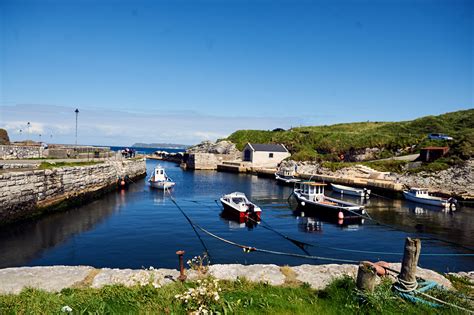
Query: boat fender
[340,215]
[122,183]
[303,203]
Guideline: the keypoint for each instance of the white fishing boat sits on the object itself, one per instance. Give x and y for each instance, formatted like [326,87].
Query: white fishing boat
[421,195]
[346,190]
[286,177]
[159,179]
[310,196]
[237,204]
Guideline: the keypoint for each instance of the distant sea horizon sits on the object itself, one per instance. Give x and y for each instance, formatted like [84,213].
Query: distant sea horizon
[145,150]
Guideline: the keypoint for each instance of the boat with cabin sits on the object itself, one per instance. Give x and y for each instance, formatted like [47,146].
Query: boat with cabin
[238,205]
[310,196]
[421,195]
[347,190]
[286,177]
[159,179]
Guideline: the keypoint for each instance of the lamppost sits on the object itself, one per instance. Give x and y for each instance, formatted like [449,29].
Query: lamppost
[77,114]
[21,138]
[28,127]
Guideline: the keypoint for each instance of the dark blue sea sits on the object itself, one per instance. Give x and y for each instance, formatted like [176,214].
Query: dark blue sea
[141,227]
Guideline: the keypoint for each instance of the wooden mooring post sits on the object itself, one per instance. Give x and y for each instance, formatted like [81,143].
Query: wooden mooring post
[367,272]
[411,255]
[366,276]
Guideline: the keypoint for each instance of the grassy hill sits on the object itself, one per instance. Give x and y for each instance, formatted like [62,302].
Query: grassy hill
[327,142]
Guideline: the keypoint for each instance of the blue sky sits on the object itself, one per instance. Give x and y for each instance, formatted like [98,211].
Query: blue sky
[184,71]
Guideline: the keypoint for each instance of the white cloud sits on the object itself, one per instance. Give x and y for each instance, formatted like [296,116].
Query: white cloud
[109,127]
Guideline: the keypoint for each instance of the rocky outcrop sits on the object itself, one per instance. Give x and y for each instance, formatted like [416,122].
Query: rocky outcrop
[457,180]
[220,147]
[207,155]
[4,139]
[56,278]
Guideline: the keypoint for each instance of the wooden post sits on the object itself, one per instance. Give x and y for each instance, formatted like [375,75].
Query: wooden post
[410,260]
[366,276]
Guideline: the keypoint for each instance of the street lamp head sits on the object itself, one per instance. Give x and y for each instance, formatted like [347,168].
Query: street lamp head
[76,111]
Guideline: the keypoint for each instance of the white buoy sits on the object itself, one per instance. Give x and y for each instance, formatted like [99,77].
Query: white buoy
[340,215]
[303,203]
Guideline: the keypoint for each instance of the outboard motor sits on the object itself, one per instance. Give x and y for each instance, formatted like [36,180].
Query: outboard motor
[453,204]
[366,193]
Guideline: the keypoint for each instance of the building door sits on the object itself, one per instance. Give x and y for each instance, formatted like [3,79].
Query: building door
[247,154]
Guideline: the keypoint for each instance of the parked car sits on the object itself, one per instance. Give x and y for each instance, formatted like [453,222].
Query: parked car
[439,136]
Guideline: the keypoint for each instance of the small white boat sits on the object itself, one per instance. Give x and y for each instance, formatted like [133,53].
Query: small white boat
[286,177]
[159,179]
[237,204]
[421,195]
[346,190]
[310,196]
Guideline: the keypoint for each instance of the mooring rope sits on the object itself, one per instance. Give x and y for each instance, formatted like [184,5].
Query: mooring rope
[191,223]
[301,243]
[249,249]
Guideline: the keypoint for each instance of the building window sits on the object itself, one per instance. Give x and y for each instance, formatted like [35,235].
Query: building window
[270,155]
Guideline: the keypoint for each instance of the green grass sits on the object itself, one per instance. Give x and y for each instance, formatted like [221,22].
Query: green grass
[48,165]
[326,142]
[237,297]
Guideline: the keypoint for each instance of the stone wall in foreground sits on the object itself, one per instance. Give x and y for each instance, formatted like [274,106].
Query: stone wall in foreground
[24,194]
[56,278]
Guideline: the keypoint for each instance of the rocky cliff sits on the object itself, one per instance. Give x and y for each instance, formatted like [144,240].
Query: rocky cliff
[4,139]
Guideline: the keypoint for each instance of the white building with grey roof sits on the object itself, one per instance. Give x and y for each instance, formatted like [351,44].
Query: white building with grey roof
[264,155]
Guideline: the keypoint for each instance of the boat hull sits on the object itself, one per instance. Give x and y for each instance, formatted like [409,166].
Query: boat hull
[162,185]
[241,216]
[287,181]
[433,202]
[329,212]
[352,192]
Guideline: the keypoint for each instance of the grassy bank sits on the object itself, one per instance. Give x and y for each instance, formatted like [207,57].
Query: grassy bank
[325,143]
[240,297]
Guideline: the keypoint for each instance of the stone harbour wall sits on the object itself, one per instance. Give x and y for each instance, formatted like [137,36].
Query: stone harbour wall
[208,161]
[12,152]
[25,194]
[56,278]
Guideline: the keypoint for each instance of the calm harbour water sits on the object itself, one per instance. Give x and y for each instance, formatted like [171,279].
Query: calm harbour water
[140,227]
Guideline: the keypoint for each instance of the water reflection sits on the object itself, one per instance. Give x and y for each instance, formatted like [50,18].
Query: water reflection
[309,225]
[235,222]
[22,242]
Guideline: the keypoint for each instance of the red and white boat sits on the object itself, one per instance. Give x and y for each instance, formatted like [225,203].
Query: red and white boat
[238,204]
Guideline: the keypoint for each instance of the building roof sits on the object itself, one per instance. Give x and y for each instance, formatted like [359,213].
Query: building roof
[268,147]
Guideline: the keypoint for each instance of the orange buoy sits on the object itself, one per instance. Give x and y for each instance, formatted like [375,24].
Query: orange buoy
[122,183]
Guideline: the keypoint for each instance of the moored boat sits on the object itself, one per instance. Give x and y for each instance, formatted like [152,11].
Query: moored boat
[346,190]
[160,180]
[421,195]
[238,205]
[286,177]
[310,196]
